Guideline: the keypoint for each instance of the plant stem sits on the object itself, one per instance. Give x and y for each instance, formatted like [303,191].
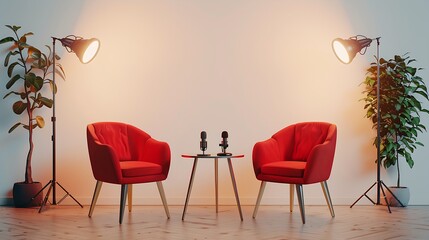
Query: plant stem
[28,172]
[398,184]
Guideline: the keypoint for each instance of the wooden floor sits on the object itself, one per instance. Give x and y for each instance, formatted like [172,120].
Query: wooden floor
[202,222]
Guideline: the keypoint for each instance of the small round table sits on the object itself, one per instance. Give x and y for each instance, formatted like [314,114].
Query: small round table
[231,171]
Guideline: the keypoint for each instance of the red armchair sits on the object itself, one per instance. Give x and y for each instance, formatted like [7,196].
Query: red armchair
[299,154]
[123,154]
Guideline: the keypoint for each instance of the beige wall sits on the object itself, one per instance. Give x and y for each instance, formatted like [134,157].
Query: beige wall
[174,68]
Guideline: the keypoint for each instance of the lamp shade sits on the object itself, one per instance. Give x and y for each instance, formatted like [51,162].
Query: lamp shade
[346,49]
[85,49]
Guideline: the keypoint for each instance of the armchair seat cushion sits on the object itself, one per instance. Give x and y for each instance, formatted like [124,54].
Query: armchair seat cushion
[139,168]
[284,168]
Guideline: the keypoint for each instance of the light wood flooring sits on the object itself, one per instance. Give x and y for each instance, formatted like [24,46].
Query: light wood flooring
[202,222]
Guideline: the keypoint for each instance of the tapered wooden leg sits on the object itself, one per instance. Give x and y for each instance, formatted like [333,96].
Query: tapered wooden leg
[163,198]
[258,200]
[328,197]
[95,197]
[191,182]
[234,185]
[124,190]
[291,196]
[130,197]
[300,196]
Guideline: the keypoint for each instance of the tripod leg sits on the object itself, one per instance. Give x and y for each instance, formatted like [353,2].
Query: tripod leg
[402,205]
[364,194]
[385,198]
[51,183]
[68,194]
[41,190]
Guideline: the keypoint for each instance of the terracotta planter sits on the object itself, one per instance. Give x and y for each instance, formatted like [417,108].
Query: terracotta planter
[402,193]
[23,192]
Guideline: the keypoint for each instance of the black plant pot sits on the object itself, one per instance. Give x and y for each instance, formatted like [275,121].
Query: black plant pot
[24,192]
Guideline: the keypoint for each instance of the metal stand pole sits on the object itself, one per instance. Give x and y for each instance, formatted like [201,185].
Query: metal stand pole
[380,184]
[53,182]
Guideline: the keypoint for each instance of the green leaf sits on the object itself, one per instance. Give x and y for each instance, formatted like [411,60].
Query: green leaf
[23,45]
[54,87]
[10,68]
[12,81]
[28,128]
[60,71]
[13,92]
[34,53]
[398,107]
[14,28]
[7,39]
[6,59]
[28,34]
[37,83]
[40,121]
[19,107]
[46,101]
[13,127]
[411,70]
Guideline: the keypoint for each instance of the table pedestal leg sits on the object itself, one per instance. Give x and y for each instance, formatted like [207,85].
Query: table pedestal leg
[234,184]
[216,184]
[191,181]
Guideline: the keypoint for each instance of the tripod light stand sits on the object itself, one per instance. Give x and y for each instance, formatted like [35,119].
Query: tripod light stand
[85,50]
[345,50]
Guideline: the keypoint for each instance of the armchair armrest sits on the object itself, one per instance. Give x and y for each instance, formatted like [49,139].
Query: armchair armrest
[157,152]
[320,159]
[265,152]
[104,162]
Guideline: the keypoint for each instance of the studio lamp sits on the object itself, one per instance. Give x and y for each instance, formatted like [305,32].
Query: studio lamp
[85,50]
[345,50]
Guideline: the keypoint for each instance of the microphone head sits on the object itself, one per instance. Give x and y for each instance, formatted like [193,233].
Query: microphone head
[203,135]
[224,134]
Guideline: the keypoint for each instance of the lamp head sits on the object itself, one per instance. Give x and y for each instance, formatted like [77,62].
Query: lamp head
[346,49]
[85,49]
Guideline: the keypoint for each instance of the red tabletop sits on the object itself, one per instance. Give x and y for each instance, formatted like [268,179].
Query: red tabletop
[211,156]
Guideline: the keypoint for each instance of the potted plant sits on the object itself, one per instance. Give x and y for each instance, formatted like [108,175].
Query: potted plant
[28,71]
[401,96]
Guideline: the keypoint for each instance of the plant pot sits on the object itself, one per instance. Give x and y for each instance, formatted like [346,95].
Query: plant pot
[24,192]
[402,193]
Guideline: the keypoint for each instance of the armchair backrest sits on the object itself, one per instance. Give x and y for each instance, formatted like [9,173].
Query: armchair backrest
[296,141]
[120,136]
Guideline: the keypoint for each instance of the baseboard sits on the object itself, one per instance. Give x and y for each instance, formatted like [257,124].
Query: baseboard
[203,201]
[6,201]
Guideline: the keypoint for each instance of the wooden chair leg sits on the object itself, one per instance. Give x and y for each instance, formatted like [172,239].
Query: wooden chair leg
[130,197]
[163,198]
[95,197]
[328,197]
[300,195]
[258,200]
[291,196]
[124,190]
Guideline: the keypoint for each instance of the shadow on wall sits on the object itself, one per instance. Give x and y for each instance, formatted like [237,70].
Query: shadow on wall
[53,19]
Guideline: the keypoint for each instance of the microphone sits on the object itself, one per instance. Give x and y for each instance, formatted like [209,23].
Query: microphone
[203,143]
[224,144]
